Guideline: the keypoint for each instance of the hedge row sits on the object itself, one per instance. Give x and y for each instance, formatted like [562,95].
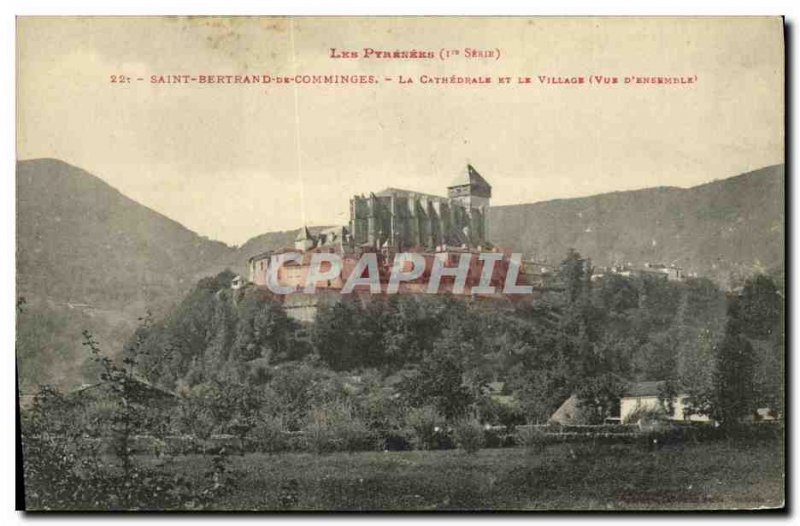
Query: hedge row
[402,440]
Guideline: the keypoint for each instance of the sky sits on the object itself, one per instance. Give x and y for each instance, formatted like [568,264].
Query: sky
[233,161]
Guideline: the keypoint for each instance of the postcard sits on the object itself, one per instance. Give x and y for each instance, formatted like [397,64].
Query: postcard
[401,263]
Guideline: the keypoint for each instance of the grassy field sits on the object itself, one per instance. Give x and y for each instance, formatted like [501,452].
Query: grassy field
[562,477]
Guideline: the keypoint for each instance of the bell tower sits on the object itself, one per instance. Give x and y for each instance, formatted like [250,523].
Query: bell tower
[470,189]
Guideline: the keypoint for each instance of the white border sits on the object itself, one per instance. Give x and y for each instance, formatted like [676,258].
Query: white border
[789,8]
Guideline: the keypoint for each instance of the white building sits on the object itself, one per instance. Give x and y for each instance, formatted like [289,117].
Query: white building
[646,396]
[237,282]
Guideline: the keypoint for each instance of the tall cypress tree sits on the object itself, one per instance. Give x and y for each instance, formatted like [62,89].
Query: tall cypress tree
[735,395]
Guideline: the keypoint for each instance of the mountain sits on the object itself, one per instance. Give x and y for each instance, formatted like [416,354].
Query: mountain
[725,229]
[90,258]
[80,239]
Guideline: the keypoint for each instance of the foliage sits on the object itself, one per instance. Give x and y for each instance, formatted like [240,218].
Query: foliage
[531,437]
[426,426]
[269,435]
[56,460]
[645,414]
[506,413]
[449,376]
[762,308]
[469,435]
[382,333]
[344,338]
[216,334]
[336,428]
[131,413]
[583,341]
[599,396]
[762,313]
[735,392]
[64,468]
[386,373]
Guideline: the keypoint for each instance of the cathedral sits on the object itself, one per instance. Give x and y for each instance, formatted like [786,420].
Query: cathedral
[405,220]
[389,222]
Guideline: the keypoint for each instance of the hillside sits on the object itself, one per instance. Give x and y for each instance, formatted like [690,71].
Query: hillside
[79,239]
[90,258]
[731,226]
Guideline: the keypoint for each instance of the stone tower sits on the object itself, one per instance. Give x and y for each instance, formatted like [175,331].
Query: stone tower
[470,189]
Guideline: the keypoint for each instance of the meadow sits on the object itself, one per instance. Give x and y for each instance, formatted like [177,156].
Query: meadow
[577,476]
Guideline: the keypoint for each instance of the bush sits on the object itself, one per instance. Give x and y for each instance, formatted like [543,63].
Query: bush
[493,438]
[396,441]
[426,427]
[335,428]
[269,435]
[531,437]
[468,435]
[645,414]
[65,470]
[507,414]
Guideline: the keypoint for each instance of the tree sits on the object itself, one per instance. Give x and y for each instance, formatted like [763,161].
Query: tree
[763,325]
[618,294]
[574,272]
[656,357]
[237,409]
[411,325]
[696,371]
[542,391]
[735,394]
[761,308]
[442,377]
[295,384]
[214,332]
[337,335]
[131,413]
[56,458]
[263,329]
[599,396]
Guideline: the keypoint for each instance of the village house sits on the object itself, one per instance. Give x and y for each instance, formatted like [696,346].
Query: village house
[641,398]
[637,399]
[649,397]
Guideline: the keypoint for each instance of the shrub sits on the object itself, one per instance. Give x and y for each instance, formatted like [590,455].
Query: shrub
[493,438]
[269,435]
[645,414]
[425,426]
[396,441]
[56,462]
[468,434]
[507,414]
[335,428]
[531,437]
[63,470]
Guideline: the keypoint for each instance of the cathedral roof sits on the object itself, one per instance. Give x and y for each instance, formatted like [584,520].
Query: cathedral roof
[470,176]
[399,192]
